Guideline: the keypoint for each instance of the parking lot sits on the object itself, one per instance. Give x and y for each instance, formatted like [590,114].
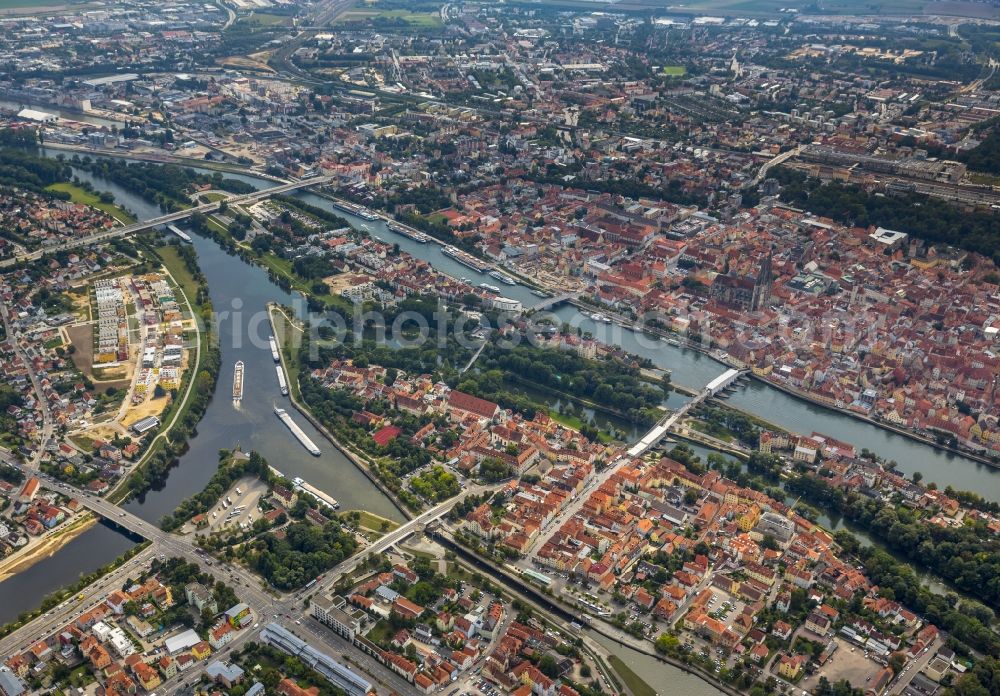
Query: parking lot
[724,607]
[844,664]
[237,508]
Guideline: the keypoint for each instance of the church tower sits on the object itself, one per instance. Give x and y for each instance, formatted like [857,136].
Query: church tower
[762,286]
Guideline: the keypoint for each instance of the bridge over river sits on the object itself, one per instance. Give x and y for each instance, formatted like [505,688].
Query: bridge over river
[236,199]
[550,302]
[659,431]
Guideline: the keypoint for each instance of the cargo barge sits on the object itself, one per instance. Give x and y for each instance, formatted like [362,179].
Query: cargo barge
[238,381]
[297,431]
[183,235]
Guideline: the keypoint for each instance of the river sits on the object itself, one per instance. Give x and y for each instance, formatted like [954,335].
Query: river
[94,548]
[242,290]
[663,678]
[695,369]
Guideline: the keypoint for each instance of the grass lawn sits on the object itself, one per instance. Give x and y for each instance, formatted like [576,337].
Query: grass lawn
[674,70]
[81,676]
[986,179]
[719,433]
[84,197]
[633,681]
[455,570]
[179,271]
[53,343]
[216,225]
[83,442]
[575,423]
[213,196]
[567,420]
[283,267]
[381,631]
[426,20]
[374,522]
[417,553]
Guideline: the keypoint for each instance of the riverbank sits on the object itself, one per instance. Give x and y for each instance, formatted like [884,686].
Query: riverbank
[121,490]
[686,432]
[878,439]
[45,546]
[534,283]
[718,357]
[930,578]
[905,432]
[93,583]
[78,194]
[790,391]
[804,396]
[285,358]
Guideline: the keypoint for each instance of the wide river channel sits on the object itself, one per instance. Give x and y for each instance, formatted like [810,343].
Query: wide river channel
[241,291]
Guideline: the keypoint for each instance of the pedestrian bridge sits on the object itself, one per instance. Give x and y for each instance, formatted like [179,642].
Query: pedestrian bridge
[660,430]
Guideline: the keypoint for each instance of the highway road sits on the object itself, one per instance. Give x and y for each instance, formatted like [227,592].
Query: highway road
[326,11]
[59,616]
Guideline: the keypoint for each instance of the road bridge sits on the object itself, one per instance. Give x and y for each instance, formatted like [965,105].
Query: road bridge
[265,603]
[114,232]
[163,542]
[773,162]
[549,302]
[389,540]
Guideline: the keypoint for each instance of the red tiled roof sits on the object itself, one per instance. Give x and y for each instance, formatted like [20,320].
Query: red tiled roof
[471,404]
